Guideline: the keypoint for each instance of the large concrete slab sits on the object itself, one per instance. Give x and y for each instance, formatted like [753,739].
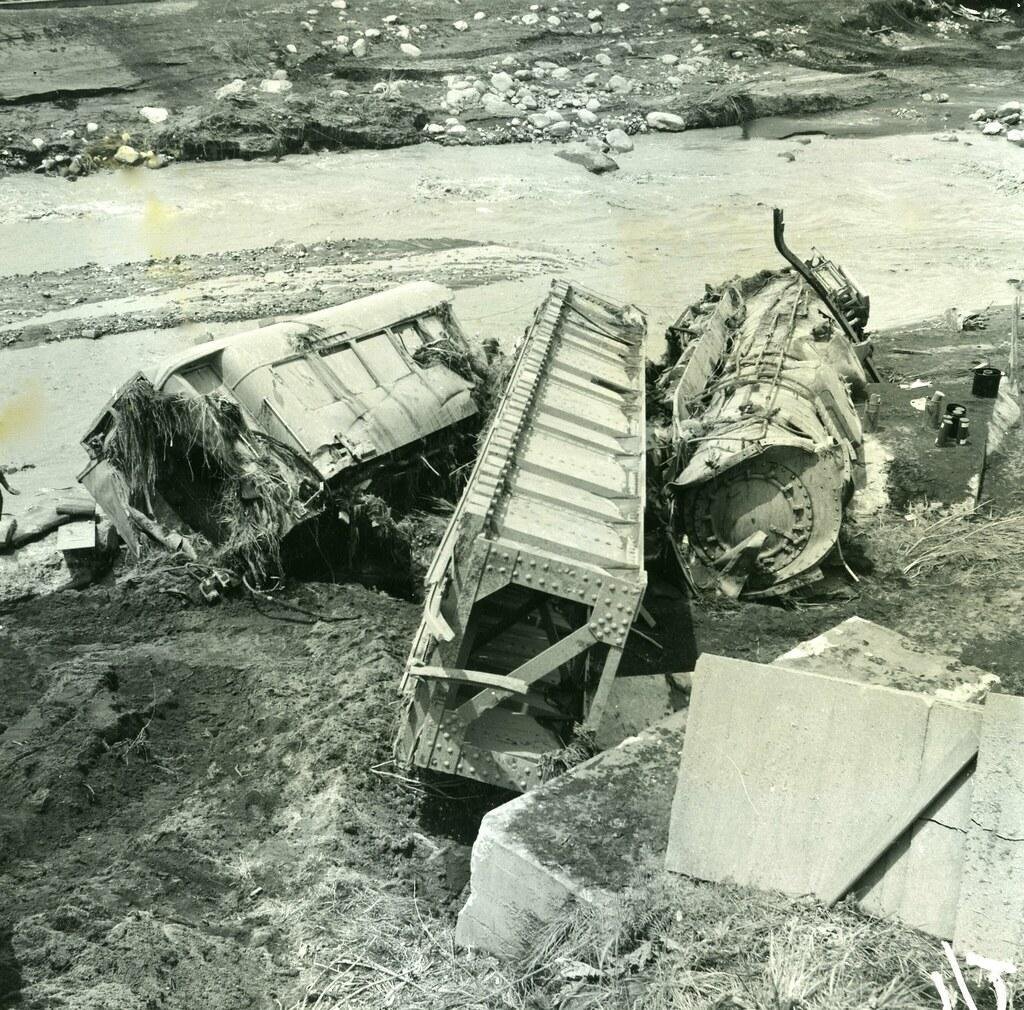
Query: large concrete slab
[990,920]
[864,651]
[783,768]
[580,836]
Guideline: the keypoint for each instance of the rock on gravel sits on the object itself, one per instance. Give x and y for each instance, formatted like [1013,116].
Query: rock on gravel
[235,87]
[153,115]
[591,160]
[666,121]
[127,155]
[272,87]
[619,141]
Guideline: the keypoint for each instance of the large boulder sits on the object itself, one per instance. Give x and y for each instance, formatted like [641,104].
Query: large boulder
[593,161]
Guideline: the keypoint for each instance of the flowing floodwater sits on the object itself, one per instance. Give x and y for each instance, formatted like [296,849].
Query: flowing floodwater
[922,225]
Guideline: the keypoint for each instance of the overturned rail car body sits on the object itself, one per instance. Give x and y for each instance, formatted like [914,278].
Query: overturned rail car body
[322,400]
[766,439]
[534,590]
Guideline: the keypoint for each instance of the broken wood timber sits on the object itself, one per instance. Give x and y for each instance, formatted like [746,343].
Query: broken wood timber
[540,574]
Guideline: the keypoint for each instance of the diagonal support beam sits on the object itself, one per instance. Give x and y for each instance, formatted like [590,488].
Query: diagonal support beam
[540,666]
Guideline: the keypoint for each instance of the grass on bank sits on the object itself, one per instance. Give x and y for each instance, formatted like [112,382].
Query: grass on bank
[669,943]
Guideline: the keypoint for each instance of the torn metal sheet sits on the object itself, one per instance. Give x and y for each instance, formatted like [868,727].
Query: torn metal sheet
[283,417]
[533,592]
[766,440]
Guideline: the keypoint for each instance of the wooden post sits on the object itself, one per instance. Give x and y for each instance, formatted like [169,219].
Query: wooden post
[1014,365]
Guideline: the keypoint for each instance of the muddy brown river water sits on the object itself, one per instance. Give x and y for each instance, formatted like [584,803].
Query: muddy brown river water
[923,225]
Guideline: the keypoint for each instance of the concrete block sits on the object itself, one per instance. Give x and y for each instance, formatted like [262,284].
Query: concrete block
[990,919]
[634,704]
[581,835]
[782,768]
[864,651]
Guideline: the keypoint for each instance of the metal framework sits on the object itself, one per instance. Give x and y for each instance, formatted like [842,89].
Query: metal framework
[535,587]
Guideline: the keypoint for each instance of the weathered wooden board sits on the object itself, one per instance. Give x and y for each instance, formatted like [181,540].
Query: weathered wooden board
[781,769]
[990,919]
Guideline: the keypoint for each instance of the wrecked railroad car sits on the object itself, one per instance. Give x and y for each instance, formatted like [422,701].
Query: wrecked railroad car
[244,438]
[533,592]
[766,441]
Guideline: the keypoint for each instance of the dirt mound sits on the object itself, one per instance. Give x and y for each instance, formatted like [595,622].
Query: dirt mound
[187,787]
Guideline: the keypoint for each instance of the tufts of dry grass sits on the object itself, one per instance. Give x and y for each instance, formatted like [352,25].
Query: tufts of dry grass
[965,543]
[665,943]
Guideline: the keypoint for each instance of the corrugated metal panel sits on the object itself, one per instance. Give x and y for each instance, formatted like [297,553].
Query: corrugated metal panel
[341,385]
[543,559]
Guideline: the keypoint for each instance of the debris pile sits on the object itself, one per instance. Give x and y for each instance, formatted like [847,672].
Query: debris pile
[1003,121]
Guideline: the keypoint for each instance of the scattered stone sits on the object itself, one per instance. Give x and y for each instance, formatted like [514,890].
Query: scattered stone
[127,155]
[236,87]
[942,98]
[586,117]
[530,19]
[993,128]
[461,26]
[977,115]
[666,121]
[560,129]
[593,105]
[360,48]
[91,127]
[554,21]
[592,161]
[669,60]
[1008,107]
[279,75]
[619,141]
[457,129]
[603,60]
[594,14]
[622,8]
[947,138]
[156,161]
[619,85]
[272,87]
[479,16]
[153,114]
[1016,137]
[502,82]
[410,50]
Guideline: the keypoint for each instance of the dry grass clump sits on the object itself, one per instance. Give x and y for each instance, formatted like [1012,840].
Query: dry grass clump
[964,542]
[258,485]
[665,943]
